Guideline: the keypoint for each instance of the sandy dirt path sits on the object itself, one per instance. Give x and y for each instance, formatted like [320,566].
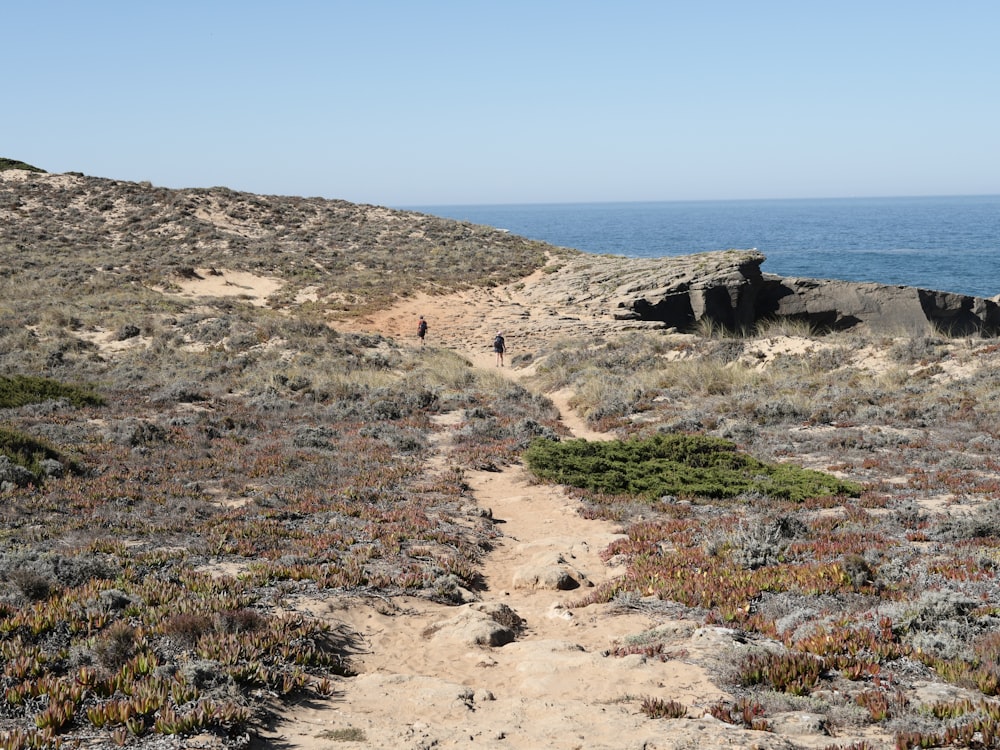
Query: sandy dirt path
[425,683]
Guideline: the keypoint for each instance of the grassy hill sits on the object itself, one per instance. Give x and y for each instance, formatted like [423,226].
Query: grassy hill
[353,256]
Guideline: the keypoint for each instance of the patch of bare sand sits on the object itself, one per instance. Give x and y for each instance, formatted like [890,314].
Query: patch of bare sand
[109,341]
[209,282]
[425,682]
[530,312]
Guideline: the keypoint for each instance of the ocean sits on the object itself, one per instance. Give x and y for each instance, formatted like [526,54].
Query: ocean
[949,244]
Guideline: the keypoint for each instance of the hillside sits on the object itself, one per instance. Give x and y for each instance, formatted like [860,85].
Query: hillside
[344,254]
[243,506]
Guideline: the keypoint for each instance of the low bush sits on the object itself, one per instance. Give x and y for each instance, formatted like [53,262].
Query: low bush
[19,390]
[35,456]
[685,466]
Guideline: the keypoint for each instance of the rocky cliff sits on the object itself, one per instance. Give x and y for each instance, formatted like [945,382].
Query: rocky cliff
[894,309]
[729,289]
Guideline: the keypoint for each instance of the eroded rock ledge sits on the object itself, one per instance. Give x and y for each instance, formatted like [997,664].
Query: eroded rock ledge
[728,288]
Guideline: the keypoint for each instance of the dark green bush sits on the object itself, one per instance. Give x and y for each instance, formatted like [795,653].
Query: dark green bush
[20,390]
[6,163]
[681,465]
[30,453]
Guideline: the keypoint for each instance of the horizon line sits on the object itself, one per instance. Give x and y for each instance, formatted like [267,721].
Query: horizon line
[408,206]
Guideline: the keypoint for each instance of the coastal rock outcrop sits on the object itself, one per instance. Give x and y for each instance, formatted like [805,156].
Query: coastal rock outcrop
[728,289]
[831,304]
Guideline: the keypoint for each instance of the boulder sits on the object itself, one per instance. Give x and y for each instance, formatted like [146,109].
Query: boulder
[14,475]
[475,625]
[799,723]
[548,570]
[720,287]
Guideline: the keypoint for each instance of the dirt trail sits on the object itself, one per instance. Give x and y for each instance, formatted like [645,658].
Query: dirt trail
[423,680]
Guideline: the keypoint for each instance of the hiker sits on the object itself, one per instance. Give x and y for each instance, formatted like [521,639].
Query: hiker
[422,329]
[499,346]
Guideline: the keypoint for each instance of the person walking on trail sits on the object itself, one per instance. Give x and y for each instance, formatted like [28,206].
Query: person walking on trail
[421,329]
[499,346]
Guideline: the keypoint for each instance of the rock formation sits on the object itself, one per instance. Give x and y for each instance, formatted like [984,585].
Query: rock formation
[831,304]
[728,289]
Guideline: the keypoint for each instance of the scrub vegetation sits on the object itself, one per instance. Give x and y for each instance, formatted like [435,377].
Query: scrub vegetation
[177,473]
[685,466]
[851,592]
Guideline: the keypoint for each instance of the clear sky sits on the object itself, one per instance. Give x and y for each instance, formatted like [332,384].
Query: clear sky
[436,102]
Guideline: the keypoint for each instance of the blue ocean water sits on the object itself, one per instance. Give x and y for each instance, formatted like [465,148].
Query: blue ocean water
[949,244]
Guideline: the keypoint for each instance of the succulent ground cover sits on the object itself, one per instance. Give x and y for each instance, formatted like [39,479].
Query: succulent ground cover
[175,469]
[179,470]
[855,597]
[111,619]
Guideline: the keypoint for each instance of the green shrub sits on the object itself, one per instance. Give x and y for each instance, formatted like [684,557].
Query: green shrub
[6,164]
[681,465]
[30,453]
[21,390]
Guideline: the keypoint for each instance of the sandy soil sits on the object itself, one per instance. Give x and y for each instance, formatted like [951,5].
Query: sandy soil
[437,676]
[428,677]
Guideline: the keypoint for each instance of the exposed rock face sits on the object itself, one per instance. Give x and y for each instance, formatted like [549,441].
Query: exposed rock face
[724,291]
[678,291]
[728,289]
[896,309]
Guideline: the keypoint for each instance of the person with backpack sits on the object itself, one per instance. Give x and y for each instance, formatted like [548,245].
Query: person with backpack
[421,329]
[499,346]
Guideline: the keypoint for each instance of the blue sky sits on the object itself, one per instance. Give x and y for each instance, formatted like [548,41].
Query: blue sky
[431,103]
